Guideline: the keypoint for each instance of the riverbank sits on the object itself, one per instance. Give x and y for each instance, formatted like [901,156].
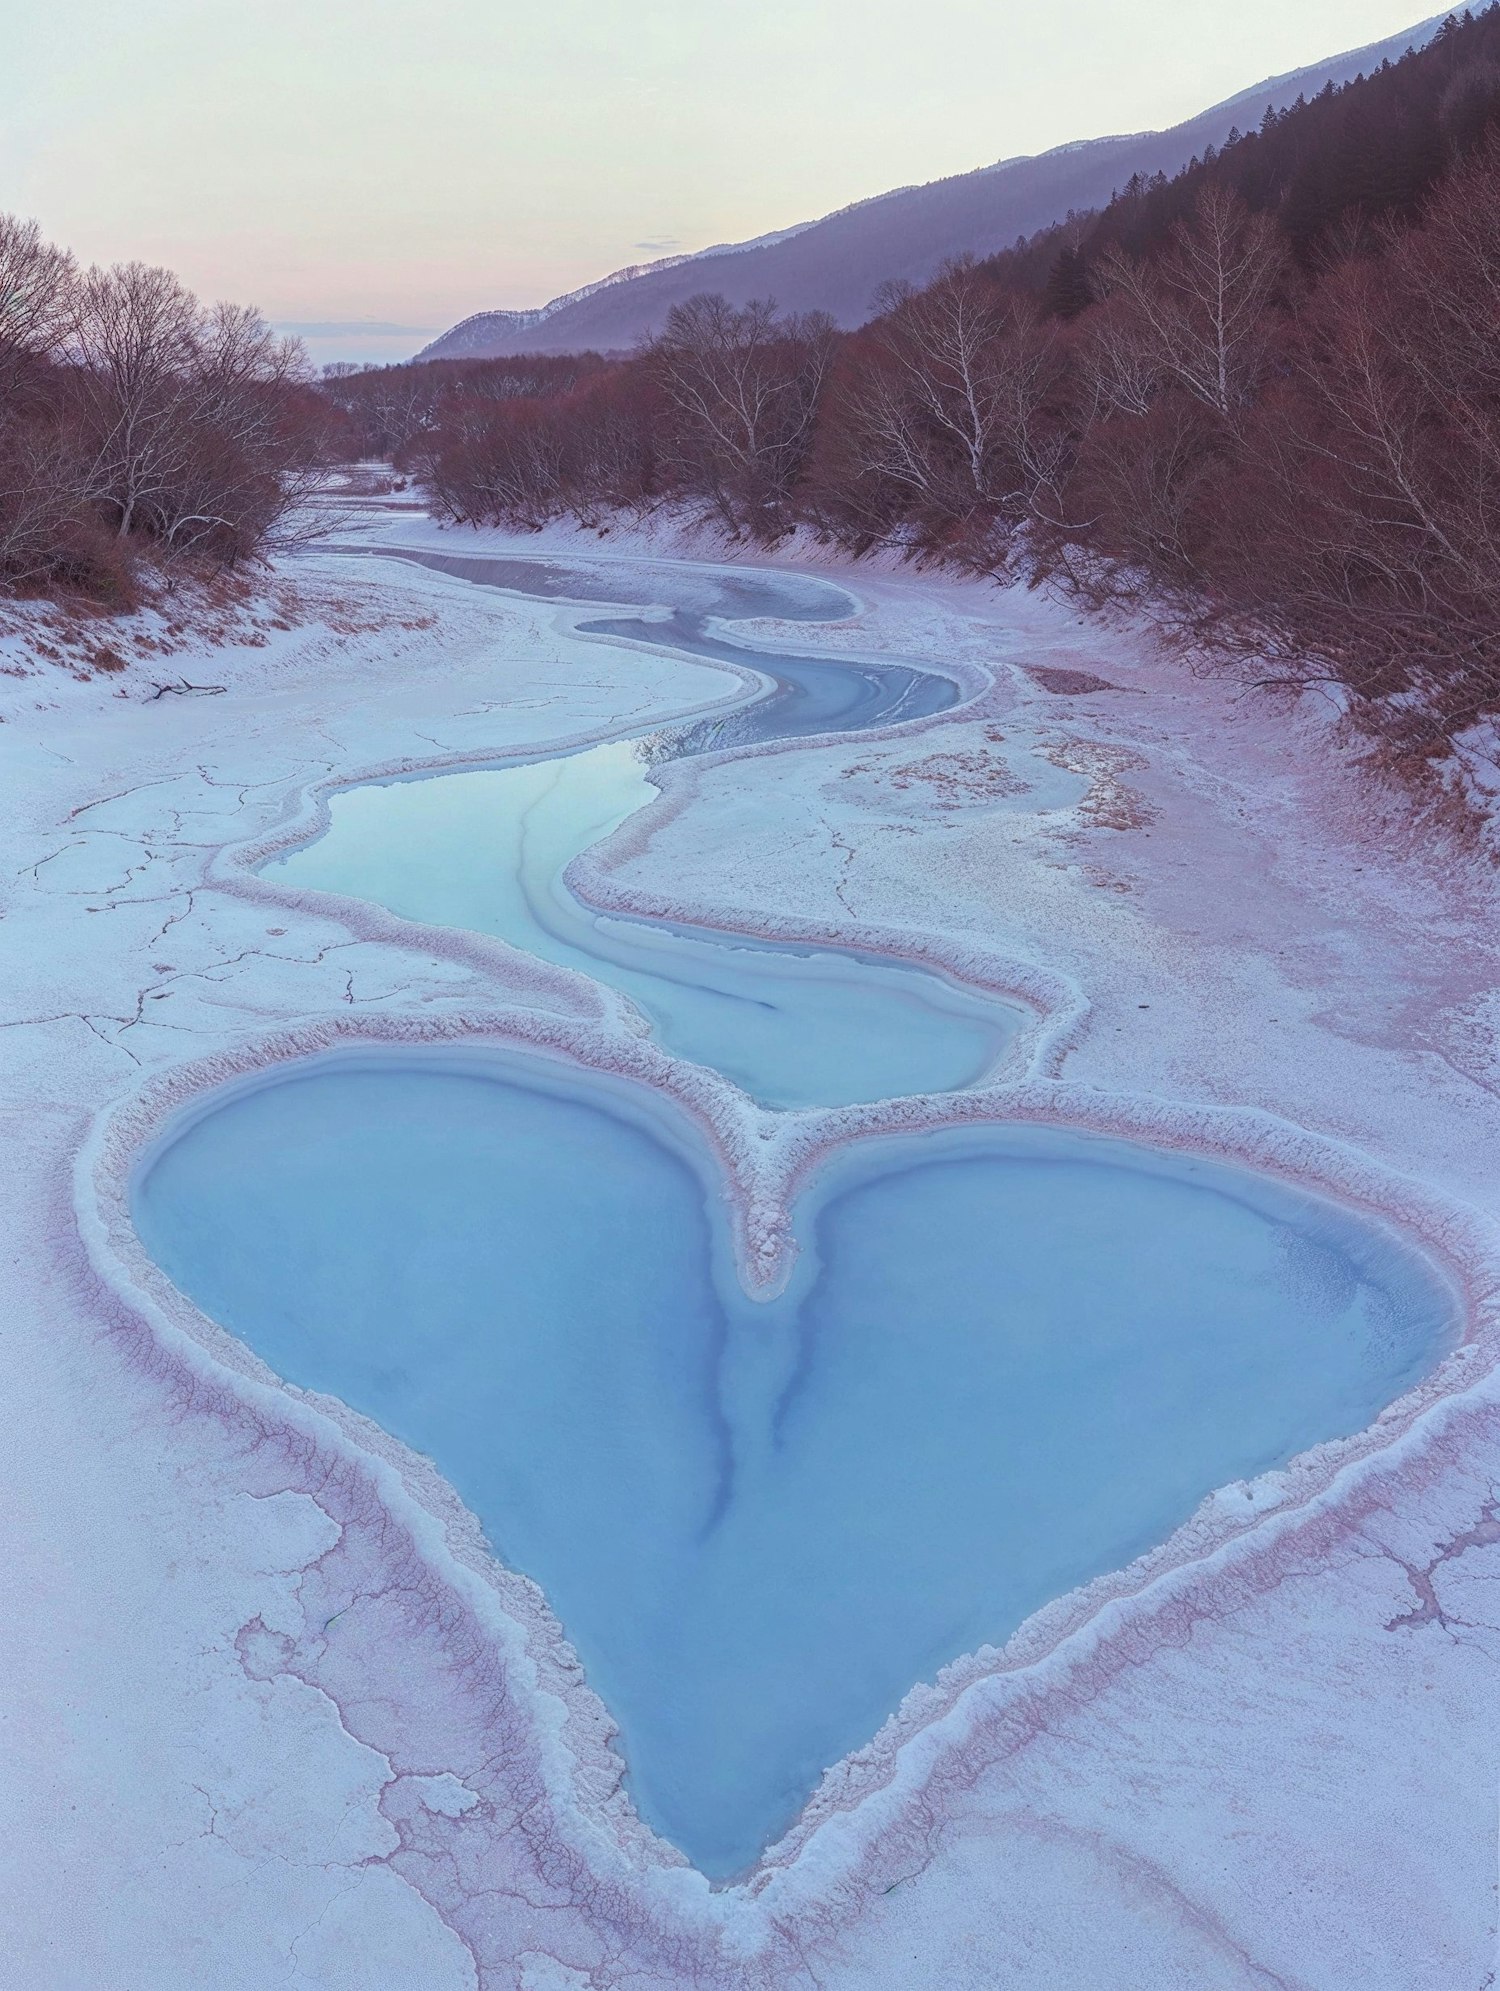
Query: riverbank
[1275,1766]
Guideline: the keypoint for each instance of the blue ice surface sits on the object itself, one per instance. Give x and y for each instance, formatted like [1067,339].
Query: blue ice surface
[1009,1359]
[486,850]
[791,1026]
[730,593]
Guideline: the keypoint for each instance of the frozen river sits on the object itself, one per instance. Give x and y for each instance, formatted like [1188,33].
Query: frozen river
[1008,1360]
[488,850]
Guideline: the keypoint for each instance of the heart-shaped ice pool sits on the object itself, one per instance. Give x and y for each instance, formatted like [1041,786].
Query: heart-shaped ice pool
[1009,1360]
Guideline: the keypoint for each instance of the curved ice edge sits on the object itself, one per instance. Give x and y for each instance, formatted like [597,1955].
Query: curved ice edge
[870,1821]
[417,554]
[875,1796]
[1058,1009]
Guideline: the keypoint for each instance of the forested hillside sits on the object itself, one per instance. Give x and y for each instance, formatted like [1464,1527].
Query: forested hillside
[837,262]
[1261,399]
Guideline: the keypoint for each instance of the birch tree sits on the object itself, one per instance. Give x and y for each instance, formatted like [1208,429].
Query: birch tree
[1195,316]
[950,416]
[744,387]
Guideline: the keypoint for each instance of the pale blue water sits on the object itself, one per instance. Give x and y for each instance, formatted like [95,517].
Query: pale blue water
[792,1026]
[486,850]
[1010,1359]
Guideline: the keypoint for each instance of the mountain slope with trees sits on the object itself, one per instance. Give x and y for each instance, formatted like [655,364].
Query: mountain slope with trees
[836,264]
[1260,399]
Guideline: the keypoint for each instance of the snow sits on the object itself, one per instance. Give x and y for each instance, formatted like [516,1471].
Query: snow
[459,340]
[270,1715]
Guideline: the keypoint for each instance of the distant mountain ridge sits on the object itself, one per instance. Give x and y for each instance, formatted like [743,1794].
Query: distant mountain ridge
[473,337]
[837,262]
[455,343]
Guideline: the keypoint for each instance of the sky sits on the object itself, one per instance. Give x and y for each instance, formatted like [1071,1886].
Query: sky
[370,171]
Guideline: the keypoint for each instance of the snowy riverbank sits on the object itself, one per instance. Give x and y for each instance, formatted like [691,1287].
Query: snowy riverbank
[262,1733]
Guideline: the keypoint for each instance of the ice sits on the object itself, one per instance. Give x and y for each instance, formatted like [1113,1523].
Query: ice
[1267,1754]
[1010,1360]
[488,850]
[792,1026]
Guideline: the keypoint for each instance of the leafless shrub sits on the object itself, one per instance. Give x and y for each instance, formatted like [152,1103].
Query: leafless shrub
[744,388]
[133,419]
[949,420]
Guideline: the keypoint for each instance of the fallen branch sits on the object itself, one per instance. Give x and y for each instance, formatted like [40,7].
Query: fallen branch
[185,690]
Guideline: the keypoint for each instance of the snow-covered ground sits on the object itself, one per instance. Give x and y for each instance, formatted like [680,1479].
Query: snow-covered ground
[267,1718]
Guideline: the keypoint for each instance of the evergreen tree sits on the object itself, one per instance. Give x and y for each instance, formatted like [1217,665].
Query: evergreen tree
[1068,290]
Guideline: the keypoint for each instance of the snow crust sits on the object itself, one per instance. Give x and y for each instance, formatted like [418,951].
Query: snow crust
[273,1713]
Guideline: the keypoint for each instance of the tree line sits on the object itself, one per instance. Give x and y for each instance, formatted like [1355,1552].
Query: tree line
[1260,400]
[137,423]
[378,411]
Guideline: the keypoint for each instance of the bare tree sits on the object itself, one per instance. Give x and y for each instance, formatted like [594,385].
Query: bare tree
[1365,549]
[36,298]
[132,343]
[42,502]
[1195,316]
[951,417]
[1119,361]
[183,411]
[44,508]
[241,457]
[130,416]
[744,386]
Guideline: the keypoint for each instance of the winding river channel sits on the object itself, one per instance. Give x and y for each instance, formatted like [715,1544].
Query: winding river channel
[489,849]
[1009,1359]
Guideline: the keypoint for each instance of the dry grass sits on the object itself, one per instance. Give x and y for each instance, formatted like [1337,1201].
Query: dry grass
[191,617]
[951,779]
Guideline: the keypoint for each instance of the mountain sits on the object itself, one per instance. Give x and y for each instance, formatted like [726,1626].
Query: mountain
[835,264]
[489,334]
[476,337]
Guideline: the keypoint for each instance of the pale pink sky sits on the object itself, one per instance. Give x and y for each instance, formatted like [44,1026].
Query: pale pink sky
[411,161]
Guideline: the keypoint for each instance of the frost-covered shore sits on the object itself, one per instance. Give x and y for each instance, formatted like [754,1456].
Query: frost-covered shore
[262,1732]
